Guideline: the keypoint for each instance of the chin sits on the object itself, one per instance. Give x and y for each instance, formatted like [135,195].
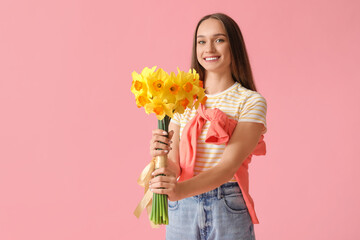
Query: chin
[214,69]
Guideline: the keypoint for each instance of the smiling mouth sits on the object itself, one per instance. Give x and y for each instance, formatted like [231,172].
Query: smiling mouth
[211,58]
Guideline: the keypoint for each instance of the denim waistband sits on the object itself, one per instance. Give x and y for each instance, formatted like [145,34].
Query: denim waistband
[225,189]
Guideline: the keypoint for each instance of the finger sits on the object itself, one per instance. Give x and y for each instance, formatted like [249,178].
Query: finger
[159,190]
[160,146]
[162,185]
[162,139]
[159,132]
[154,152]
[165,171]
[160,178]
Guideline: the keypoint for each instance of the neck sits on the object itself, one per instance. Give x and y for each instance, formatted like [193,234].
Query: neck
[217,82]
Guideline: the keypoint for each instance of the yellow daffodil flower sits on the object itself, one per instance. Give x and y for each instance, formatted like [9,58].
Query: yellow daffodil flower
[139,89]
[170,89]
[163,94]
[156,83]
[138,84]
[159,107]
[147,71]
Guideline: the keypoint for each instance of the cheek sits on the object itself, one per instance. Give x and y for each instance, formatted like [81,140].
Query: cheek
[198,54]
[227,53]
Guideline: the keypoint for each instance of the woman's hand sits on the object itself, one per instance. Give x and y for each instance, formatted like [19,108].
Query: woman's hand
[165,184]
[160,143]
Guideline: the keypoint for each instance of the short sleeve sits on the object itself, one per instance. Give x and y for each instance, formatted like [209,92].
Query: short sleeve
[254,110]
[176,119]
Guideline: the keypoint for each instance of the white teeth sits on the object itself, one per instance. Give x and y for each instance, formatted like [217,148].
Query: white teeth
[211,58]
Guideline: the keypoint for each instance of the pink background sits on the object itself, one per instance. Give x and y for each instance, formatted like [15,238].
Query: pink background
[72,141]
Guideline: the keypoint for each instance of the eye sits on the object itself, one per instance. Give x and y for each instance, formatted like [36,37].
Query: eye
[220,40]
[201,42]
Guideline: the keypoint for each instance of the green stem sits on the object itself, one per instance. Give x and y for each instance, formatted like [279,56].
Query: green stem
[159,212]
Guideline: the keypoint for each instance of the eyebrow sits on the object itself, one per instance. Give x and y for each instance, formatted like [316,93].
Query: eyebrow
[215,35]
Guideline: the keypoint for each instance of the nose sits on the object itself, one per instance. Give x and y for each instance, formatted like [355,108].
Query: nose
[209,47]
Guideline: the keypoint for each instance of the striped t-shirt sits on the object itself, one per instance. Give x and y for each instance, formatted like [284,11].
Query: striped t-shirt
[238,103]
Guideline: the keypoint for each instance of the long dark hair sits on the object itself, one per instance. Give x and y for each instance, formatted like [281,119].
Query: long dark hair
[240,65]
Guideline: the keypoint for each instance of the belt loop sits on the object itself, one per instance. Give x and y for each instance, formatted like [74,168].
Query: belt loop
[219,192]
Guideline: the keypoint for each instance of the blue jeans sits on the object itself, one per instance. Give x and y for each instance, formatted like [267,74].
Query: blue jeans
[219,214]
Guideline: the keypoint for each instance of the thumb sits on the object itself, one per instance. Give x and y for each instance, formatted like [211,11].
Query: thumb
[171,134]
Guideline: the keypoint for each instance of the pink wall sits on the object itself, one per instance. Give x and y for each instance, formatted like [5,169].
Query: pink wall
[72,141]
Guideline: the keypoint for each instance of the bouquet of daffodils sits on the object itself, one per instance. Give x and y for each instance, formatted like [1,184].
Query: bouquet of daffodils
[163,94]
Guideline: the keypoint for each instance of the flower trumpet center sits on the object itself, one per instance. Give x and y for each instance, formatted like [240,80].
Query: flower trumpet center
[204,100]
[184,102]
[174,89]
[138,85]
[158,110]
[188,87]
[158,85]
[201,84]
[142,100]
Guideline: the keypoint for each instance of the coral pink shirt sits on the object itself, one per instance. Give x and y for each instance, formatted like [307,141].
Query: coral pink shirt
[219,132]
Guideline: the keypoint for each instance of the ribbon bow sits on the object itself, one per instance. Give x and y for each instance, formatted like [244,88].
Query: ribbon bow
[146,201]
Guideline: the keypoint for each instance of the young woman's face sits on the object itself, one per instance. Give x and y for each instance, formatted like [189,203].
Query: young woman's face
[213,47]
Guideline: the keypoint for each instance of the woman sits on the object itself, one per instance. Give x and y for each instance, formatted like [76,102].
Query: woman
[210,200]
